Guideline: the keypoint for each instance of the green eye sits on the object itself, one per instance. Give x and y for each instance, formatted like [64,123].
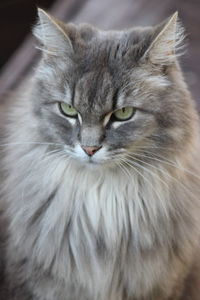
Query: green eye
[124,113]
[68,110]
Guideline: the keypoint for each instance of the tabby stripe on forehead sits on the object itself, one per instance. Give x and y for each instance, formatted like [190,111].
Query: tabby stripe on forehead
[115,98]
[73,93]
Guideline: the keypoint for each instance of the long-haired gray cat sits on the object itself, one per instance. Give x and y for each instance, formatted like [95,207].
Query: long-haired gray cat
[100,170]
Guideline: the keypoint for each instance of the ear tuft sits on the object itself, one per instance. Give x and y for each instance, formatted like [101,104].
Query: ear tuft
[50,32]
[168,43]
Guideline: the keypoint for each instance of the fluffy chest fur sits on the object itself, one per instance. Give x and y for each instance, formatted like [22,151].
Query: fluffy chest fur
[96,227]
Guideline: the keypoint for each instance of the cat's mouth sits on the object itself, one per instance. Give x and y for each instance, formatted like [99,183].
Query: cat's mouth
[104,157]
[92,160]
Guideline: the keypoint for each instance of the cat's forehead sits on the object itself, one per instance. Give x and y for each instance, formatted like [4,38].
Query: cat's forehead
[94,93]
[94,37]
[94,48]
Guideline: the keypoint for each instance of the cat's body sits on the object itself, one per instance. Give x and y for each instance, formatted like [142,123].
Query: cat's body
[120,224]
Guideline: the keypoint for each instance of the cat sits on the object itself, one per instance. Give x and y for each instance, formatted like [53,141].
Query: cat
[100,169]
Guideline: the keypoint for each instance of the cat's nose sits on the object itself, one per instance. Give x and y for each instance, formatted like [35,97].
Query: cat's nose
[91,150]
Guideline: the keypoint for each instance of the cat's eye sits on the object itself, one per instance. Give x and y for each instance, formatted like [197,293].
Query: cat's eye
[68,110]
[124,113]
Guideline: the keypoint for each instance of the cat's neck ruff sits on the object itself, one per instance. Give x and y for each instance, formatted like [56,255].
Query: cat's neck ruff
[66,202]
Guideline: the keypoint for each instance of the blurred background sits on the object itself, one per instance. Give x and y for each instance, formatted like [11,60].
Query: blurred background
[17,17]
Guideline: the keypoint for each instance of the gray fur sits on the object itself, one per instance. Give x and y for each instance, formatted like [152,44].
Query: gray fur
[123,224]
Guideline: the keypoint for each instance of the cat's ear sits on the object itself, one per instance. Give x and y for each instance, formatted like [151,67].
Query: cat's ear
[52,34]
[167,43]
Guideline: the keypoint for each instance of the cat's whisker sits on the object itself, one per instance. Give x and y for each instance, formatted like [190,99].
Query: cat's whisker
[53,170]
[142,175]
[127,170]
[146,180]
[153,147]
[49,154]
[120,165]
[57,151]
[44,157]
[187,190]
[40,161]
[30,143]
[135,160]
[167,162]
[139,203]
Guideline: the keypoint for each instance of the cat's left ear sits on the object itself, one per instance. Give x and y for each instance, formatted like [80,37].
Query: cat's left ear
[52,34]
[166,45]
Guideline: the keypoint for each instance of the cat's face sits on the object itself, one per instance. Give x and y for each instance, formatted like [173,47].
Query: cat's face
[107,95]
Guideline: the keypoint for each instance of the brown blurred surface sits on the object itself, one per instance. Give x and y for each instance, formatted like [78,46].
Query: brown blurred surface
[104,14]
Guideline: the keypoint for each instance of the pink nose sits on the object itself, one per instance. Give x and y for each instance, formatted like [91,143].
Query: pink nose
[90,150]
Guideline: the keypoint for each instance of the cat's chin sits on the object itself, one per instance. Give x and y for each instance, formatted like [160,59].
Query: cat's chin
[93,164]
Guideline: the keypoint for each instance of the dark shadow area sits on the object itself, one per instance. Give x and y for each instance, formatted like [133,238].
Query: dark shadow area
[16,19]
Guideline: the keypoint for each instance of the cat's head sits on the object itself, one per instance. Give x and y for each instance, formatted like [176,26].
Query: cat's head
[107,95]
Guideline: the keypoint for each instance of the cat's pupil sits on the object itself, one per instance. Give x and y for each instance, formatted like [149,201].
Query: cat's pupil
[123,109]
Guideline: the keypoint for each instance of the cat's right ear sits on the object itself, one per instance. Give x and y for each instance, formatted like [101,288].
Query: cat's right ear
[52,35]
[167,43]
